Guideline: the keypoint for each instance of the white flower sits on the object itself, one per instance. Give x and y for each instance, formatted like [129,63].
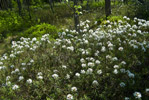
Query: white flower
[92,59]
[137,95]
[122,84]
[115,71]
[70,48]
[123,62]
[12,66]
[139,31]
[64,66]
[8,83]
[114,59]
[125,17]
[1,63]
[55,71]
[55,76]
[131,75]
[108,21]
[39,74]
[120,48]
[87,21]
[95,82]
[82,60]
[99,72]
[126,98]
[21,78]
[82,71]
[69,97]
[67,76]
[17,70]
[108,57]
[77,74]
[116,66]
[147,90]
[64,46]
[73,89]
[128,18]
[29,81]
[13,72]
[83,65]
[34,39]
[97,62]
[89,71]
[15,87]
[84,30]
[103,49]
[90,64]
[7,78]
[12,55]
[66,30]
[23,68]
[23,64]
[110,45]
[31,60]
[40,77]
[86,41]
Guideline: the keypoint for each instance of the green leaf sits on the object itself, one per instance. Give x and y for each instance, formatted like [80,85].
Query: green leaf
[79,7]
[48,98]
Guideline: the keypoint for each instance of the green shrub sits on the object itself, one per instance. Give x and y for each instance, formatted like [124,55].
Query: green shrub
[11,22]
[95,5]
[115,18]
[41,29]
[110,18]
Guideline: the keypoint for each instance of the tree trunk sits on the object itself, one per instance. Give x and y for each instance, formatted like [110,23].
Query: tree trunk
[76,16]
[107,7]
[87,4]
[19,6]
[142,1]
[28,8]
[10,4]
[51,5]
[125,1]
[1,5]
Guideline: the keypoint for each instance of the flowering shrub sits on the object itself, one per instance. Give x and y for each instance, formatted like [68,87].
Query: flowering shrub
[107,63]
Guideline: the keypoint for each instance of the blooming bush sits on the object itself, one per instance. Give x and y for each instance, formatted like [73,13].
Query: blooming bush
[107,63]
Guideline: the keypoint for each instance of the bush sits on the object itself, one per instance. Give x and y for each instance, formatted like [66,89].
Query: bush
[96,5]
[108,63]
[41,29]
[11,22]
[110,18]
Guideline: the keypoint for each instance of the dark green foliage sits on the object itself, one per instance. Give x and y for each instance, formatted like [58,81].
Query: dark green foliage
[142,10]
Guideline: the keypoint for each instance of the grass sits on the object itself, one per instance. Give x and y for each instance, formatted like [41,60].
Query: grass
[4,46]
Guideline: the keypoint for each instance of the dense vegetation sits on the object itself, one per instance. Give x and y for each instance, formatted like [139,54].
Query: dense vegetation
[74,50]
